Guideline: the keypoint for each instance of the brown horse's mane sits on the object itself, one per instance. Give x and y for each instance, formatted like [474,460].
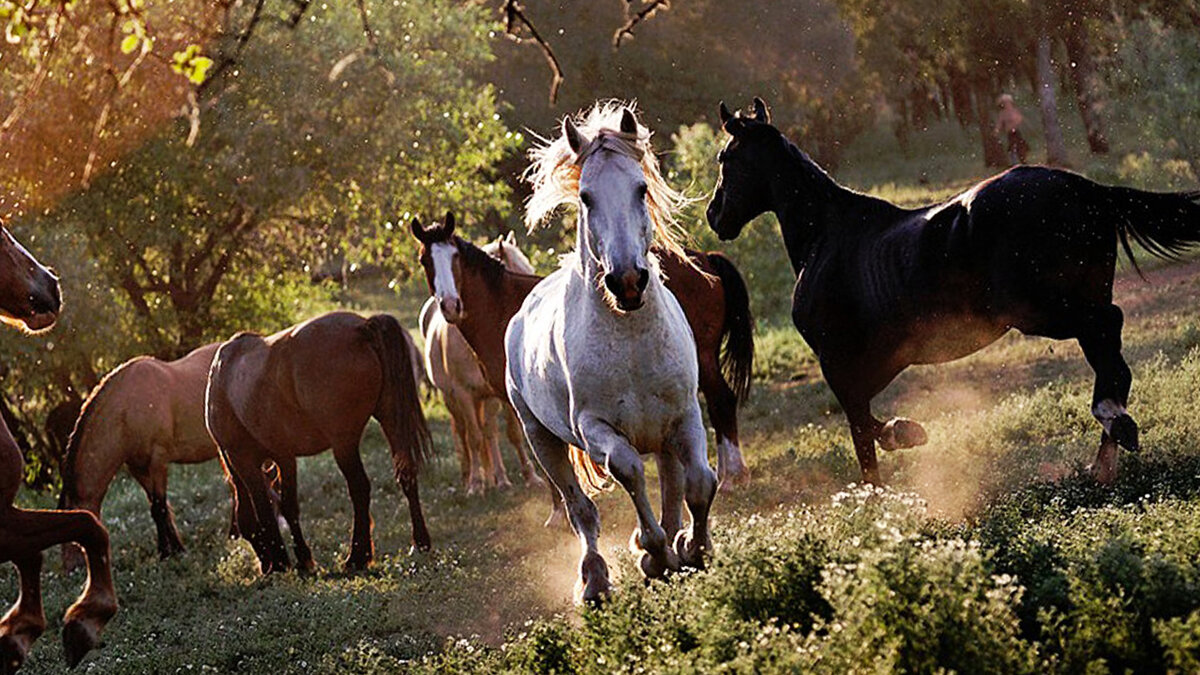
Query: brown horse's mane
[92,402]
[477,259]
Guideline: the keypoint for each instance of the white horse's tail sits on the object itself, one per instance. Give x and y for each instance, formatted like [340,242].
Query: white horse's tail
[591,475]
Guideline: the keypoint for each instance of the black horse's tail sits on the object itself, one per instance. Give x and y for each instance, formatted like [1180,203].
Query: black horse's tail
[737,333]
[399,408]
[1164,223]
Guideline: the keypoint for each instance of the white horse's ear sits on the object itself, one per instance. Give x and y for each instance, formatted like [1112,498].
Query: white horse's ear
[760,111]
[511,238]
[629,123]
[574,138]
[725,114]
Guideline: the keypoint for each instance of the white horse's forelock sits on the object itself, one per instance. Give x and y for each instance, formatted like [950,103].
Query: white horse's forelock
[555,168]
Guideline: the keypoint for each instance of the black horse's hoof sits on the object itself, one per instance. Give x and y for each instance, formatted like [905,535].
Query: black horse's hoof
[1125,432]
[900,433]
[78,640]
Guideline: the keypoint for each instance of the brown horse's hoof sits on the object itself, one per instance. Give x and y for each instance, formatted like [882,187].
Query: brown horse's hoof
[900,433]
[12,654]
[78,639]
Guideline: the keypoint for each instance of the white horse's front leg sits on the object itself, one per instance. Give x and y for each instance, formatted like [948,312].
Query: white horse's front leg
[671,485]
[551,453]
[605,445]
[700,486]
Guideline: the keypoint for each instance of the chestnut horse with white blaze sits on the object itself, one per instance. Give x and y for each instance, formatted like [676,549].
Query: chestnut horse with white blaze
[29,299]
[474,403]
[600,356]
[302,391]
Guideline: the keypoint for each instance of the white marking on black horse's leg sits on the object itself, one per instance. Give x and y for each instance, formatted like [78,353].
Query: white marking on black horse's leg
[1117,423]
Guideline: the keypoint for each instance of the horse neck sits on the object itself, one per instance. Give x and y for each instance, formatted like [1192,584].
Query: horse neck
[813,209]
[484,323]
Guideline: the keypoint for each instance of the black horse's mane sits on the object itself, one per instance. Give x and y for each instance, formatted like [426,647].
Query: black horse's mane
[816,175]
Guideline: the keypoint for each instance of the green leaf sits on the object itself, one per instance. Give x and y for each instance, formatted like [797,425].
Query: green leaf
[129,44]
[199,70]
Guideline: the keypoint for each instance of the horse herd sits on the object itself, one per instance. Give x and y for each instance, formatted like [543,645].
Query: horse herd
[598,364]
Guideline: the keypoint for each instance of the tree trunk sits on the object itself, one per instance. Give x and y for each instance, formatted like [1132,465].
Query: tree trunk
[1084,79]
[993,151]
[1056,150]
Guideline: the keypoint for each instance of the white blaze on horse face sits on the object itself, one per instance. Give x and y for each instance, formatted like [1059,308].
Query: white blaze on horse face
[444,287]
[615,227]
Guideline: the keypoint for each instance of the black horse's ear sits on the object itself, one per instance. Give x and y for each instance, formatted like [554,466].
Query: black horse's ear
[760,111]
[629,123]
[418,229]
[725,114]
[574,138]
[448,223]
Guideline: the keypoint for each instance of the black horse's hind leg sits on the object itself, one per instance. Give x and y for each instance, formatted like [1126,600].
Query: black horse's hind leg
[855,386]
[1101,343]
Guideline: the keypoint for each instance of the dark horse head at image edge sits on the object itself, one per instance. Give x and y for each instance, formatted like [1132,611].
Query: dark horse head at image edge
[880,288]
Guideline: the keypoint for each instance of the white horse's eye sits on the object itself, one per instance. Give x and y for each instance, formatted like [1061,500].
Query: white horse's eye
[586,198]
[642,190]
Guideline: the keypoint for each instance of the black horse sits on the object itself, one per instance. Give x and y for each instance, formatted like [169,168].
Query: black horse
[880,288]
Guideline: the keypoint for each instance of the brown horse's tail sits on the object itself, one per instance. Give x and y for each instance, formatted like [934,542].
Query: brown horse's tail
[1164,223]
[591,476]
[399,407]
[737,333]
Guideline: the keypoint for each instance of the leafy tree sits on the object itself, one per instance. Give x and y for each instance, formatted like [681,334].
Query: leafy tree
[312,153]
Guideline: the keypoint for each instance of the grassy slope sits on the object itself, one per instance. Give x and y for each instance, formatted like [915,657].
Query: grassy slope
[1012,415]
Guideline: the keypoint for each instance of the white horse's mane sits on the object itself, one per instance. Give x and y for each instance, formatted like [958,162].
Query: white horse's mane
[554,172]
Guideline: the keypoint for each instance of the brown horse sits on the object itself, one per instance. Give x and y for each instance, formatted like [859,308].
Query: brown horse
[145,414]
[299,392]
[473,403]
[29,299]
[484,296]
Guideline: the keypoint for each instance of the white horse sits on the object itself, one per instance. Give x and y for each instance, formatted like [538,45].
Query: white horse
[600,355]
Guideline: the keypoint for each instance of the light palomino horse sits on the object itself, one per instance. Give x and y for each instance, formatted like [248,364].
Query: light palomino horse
[145,414]
[302,391]
[454,369]
[600,355]
[29,299]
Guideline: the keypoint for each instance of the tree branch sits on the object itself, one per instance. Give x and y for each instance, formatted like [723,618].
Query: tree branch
[632,18]
[39,76]
[514,22]
[225,61]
